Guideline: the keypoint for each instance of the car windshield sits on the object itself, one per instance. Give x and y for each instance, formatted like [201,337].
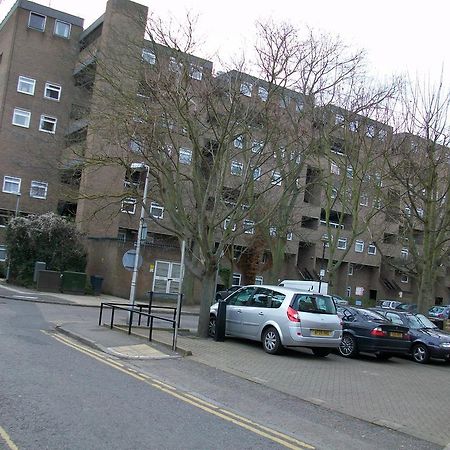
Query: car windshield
[314,303]
[437,309]
[419,321]
[371,315]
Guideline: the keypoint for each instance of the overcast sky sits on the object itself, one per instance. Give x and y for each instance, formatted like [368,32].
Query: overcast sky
[399,35]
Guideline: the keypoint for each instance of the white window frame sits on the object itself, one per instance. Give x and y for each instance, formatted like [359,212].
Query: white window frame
[3,253]
[174,65]
[353,126]
[263,93]
[38,185]
[236,277]
[364,199]
[256,173]
[257,146]
[57,22]
[226,225]
[52,87]
[349,171]
[12,181]
[350,270]
[128,201]
[272,231]
[370,131]
[276,178]
[239,141]
[404,279]
[299,104]
[23,80]
[156,210]
[237,168]
[339,119]
[382,134]
[246,88]
[259,280]
[404,253]
[342,244]
[334,168]
[334,193]
[196,72]
[371,249]
[135,145]
[249,226]
[48,119]
[359,246]
[349,291]
[23,113]
[32,13]
[148,56]
[408,211]
[185,156]
[289,236]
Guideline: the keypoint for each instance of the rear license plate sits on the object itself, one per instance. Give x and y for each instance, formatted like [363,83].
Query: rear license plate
[321,332]
[396,335]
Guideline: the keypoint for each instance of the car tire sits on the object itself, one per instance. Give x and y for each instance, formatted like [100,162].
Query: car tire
[271,341]
[382,356]
[348,347]
[212,326]
[420,353]
[321,352]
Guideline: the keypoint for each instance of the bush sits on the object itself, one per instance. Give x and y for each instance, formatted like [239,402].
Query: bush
[47,237]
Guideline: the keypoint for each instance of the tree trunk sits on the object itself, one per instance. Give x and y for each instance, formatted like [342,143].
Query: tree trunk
[208,283]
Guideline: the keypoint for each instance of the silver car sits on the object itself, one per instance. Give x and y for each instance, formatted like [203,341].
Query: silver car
[281,317]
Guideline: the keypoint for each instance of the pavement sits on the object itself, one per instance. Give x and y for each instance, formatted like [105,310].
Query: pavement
[398,394]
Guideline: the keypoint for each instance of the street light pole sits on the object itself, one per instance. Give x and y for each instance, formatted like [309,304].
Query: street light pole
[322,270]
[16,214]
[138,167]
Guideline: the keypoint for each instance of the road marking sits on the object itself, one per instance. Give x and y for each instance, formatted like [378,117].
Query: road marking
[24,297]
[268,433]
[8,441]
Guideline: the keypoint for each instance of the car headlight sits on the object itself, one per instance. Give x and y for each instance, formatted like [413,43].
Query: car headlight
[445,345]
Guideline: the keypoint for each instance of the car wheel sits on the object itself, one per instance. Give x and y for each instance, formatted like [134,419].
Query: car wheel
[212,326]
[420,353]
[322,352]
[382,356]
[271,341]
[348,347]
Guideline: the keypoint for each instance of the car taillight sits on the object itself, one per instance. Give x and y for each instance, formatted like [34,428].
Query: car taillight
[378,332]
[293,315]
[440,315]
[407,336]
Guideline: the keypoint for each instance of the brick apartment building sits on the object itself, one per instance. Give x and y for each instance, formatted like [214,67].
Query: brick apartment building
[48,87]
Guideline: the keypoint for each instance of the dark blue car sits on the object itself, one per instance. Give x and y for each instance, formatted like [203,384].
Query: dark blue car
[427,340]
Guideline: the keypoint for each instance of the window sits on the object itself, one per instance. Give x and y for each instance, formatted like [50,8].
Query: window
[259,280]
[38,189]
[370,131]
[236,281]
[371,249]
[257,146]
[21,118]
[257,173]
[420,212]
[237,168]
[289,236]
[196,72]
[276,178]
[342,243]
[52,91]
[37,21]
[128,205]
[26,85]
[334,193]
[249,227]
[404,279]
[299,104]
[246,89]
[377,203]
[47,124]
[62,29]
[364,200]
[284,101]
[185,156]
[3,253]
[350,269]
[353,126]
[148,56]
[382,135]
[337,148]
[349,172]
[174,66]
[408,211]
[156,210]
[11,185]
[239,141]
[263,93]
[404,253]
[334,168]
[359,246]
[227,225]
[339,120]
[136,146]
[273,231]
[349,291]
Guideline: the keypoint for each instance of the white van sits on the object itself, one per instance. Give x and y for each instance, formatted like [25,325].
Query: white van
[306,286]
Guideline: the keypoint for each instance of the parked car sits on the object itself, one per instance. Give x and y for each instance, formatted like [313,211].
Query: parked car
[220,295]
[437,314]
[281,317]
[408,307]
[339,300]
[389,304]
[367,331]
[427,340]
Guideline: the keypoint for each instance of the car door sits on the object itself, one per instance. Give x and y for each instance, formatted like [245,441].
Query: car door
[254,314]
[236,303]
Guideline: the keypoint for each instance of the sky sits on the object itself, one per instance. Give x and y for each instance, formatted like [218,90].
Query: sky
[400,36]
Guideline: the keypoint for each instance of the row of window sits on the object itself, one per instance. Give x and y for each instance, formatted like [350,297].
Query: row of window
[370,131]
[38,22]
[129,206]
[22,118]
[257,146]
[38,189]
[249,228]
[27,85]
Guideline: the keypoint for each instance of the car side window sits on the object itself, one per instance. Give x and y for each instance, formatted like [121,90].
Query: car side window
[241,297]
[394,318]
[261,298]
[277,299]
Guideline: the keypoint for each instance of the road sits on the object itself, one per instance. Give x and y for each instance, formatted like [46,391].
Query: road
[56,394]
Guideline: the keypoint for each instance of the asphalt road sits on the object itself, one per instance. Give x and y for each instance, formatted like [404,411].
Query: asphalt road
[58,395]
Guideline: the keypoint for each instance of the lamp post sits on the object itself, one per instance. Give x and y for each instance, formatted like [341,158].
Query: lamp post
[16,214]
[322,270]
[139,167]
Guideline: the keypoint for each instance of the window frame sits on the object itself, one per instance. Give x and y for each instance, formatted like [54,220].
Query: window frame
[52,87]
[339,241]
[151,59]
[350,269]
[248,226]
[128,201]
[246,88]
[158,207]
[57,21]
[371,249]
[44,119]
[237,165]
[276,178]
[263,93]
[11,180]
[32,13]
[26,80]
[3,251]
[256,173]
[359,244]
[185,156]
[22,113]
[226,224]
[39,185]
[194,70]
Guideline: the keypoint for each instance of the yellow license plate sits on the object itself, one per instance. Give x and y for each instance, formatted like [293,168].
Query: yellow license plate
[321,332]
[394,334]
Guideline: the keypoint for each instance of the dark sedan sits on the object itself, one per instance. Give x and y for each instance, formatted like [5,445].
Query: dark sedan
[369,332]
[427,340]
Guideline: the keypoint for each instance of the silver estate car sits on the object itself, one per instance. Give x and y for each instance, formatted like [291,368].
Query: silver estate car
[281,317]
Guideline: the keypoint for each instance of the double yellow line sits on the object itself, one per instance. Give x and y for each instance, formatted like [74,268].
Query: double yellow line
[229,416]
[7,440]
